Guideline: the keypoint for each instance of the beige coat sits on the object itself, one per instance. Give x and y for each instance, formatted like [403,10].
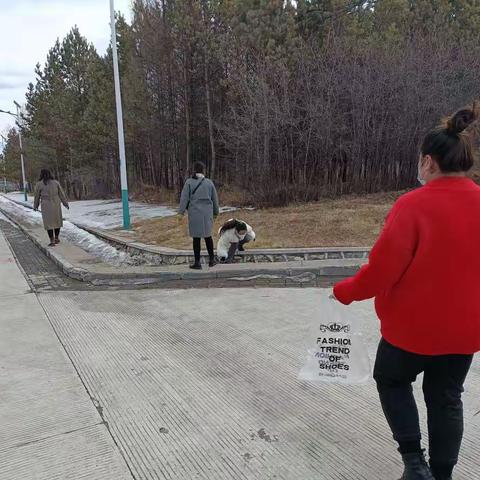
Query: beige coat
[50,197]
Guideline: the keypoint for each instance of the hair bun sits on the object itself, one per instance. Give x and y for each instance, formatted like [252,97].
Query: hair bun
[461,120]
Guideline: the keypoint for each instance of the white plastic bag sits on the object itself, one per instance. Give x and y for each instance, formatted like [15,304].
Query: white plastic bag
[336,350]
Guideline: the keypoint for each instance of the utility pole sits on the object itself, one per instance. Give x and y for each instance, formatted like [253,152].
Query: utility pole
[17,116]
[21,151]
[4,141]
[121,137]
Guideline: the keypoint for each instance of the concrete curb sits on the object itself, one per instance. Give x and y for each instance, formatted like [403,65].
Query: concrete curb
[292,273]
[172,256]
[298,275]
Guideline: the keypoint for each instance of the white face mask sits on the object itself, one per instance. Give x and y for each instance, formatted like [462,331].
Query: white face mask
[419,175]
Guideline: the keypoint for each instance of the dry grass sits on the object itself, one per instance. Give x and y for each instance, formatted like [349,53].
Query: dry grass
[161,196]
[349,221]
[353,220]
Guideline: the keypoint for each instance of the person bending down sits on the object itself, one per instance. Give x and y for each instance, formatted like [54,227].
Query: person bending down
[234,234]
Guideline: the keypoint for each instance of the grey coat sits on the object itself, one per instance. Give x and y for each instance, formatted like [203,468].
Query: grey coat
[51,197]
[202,206]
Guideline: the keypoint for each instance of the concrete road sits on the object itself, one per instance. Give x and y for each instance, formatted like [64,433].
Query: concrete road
[202,384]
[189,384]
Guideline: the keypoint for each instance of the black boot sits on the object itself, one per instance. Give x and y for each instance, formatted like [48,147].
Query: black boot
[416,467]
[212,262]
[231,253]
[441,472]
[196,266]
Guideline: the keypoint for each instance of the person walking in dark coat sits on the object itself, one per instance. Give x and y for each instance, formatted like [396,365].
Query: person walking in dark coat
[199,197]
[50,195]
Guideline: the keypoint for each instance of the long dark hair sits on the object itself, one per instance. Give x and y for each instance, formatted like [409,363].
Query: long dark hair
[238,225]
[46,176]
[450,145]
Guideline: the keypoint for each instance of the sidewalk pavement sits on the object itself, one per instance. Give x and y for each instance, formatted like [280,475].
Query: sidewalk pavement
[50,428]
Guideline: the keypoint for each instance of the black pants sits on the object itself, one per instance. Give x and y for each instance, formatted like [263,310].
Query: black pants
[197,248]
[51,232]
[444,376]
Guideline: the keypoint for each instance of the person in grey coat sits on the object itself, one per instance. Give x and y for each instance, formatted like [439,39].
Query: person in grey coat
[199,197]
[50,195]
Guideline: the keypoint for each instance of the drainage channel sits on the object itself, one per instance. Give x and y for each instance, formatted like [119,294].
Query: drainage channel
[40,271]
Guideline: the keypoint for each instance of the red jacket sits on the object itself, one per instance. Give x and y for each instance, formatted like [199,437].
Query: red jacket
[424,270]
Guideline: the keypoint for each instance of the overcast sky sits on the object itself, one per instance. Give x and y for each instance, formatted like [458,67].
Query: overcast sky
[29,28]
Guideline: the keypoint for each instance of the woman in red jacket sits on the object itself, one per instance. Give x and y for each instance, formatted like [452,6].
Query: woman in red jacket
[424,272]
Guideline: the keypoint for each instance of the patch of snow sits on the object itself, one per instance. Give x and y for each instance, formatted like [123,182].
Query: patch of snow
[6,219]
[92,244]
[228,209]
[108,214]
[104,214]
[28,216]
[75,235]
[235,209]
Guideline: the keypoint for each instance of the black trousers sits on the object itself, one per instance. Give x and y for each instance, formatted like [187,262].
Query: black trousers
[197,248]
[444,375]
[51,232]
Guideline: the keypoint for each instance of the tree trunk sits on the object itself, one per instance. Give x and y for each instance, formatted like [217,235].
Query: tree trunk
[210,121]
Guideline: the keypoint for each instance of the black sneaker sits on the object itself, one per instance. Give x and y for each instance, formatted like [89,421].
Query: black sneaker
[196,266]
[439,472]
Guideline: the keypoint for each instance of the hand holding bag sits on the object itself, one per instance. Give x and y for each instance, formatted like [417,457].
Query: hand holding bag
[336,349]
